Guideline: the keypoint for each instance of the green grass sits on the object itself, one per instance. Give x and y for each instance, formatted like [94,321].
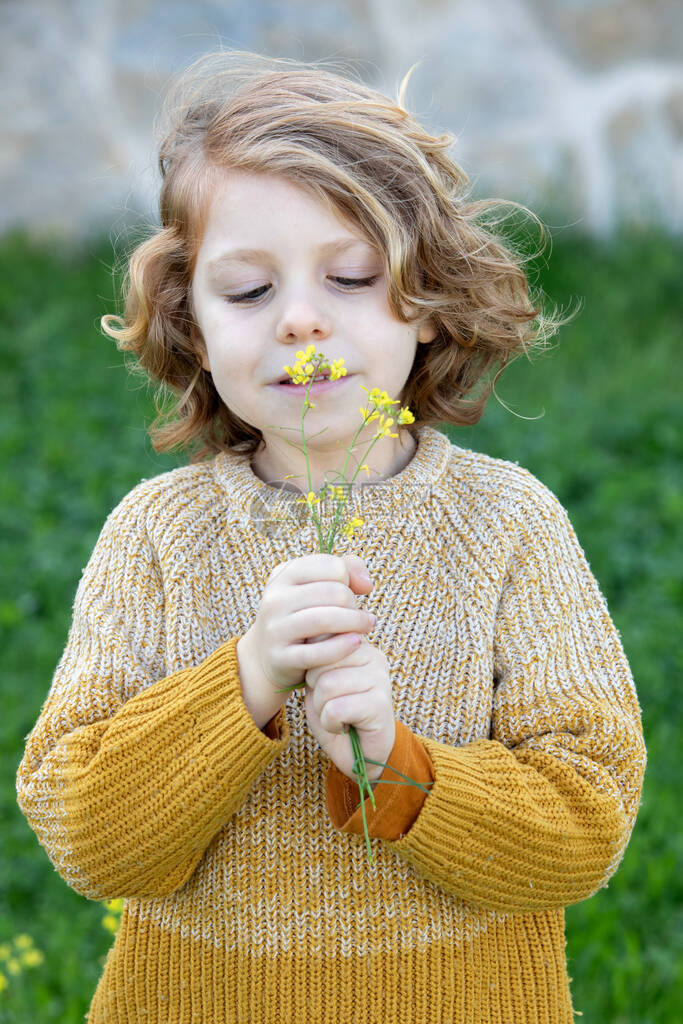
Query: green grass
[73,442]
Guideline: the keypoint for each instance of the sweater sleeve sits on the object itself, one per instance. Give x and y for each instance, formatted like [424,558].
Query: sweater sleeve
[129,773]
[538,816]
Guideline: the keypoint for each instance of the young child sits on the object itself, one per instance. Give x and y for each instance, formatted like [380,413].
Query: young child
[167,767]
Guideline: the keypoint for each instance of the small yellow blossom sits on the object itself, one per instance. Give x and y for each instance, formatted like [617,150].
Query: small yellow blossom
[3,982]
[111,923]
[114,905]
[354,523]
[310,499]
[297,373]
[380,399]
[364,414]
[32,958]
[384,428]
[5,951]
[13,965]
[366,468]
[23,941]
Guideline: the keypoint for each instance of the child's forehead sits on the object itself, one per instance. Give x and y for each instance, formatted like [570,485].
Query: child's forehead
[235,188]
[245,207]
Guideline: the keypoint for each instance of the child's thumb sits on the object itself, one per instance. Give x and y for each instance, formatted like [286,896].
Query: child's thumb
[359,577]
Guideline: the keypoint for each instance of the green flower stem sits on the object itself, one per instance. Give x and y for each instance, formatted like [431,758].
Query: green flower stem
[393,782]
[361,773]
[308,465]
[361,462]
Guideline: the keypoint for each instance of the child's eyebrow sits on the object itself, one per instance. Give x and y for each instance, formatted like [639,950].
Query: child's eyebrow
[253,255]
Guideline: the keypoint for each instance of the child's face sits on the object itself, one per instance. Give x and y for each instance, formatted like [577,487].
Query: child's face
[296,299]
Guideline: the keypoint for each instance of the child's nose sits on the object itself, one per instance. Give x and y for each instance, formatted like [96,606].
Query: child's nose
[303,321]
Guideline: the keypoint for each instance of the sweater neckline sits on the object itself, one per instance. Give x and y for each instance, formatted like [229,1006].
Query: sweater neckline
[372,500]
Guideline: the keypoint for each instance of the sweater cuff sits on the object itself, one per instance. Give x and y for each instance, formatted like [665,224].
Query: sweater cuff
[397,807]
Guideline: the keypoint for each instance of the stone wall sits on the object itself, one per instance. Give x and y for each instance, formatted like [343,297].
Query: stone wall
[573,107]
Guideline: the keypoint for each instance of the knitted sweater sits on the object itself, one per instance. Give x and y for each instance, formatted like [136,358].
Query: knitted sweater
[239,852]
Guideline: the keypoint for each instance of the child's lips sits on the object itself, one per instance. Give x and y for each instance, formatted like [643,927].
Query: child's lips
[316,388]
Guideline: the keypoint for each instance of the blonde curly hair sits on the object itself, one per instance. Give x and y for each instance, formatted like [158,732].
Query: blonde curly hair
[374,165]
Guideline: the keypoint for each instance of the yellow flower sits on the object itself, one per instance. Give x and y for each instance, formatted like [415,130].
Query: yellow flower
[406,416]
[13,966]
[116,906]
[3,982]
[23,941]
[380,399]
[310,351]
[32,958]
[351,525]
[310,499]
[5,951]
[296,373]
[384,428]
[364,413]
[338,369]
[111,923]
[366,468]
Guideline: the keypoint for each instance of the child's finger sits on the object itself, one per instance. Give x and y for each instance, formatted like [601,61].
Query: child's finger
[325,652]
[330,682]
[307,623]
[358,570]
[357,709]
[310,569]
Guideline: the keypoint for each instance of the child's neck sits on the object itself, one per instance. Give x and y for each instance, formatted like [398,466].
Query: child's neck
[380,470]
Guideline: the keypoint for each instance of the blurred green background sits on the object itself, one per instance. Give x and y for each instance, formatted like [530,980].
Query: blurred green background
[609,444]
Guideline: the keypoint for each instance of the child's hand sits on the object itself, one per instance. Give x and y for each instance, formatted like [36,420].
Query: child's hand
[354,691]
[305,599]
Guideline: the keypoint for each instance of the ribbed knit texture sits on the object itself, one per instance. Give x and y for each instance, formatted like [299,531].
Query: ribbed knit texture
[146,778]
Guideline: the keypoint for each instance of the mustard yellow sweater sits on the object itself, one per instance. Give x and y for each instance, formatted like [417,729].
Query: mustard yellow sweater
[248,893]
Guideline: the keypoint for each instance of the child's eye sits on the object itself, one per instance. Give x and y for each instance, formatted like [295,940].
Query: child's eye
[356,282]
[346,282]
[251,296]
